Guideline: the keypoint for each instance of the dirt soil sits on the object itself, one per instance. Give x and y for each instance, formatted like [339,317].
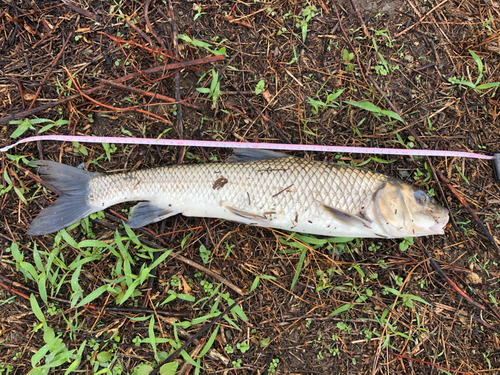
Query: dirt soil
[428,306]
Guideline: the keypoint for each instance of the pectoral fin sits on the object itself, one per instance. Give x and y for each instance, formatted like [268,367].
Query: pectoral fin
[347,218]
[146,213]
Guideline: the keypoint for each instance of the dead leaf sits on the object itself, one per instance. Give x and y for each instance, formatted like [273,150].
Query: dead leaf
[474,278]
[185,285]
[28,96]
[29,29]
[267,95]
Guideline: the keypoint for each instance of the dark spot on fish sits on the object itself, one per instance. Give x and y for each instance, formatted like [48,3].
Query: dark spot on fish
[310,221]
[376,234]
[169,205]
[396,211]
[136,185]
[249,201]
[219,183]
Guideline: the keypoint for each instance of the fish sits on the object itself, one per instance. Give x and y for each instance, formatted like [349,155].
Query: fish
[254,187]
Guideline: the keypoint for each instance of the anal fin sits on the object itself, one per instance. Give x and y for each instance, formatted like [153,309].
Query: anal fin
[347,218]
[146,213]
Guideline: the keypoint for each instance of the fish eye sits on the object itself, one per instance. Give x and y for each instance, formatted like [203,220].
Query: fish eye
[421,197]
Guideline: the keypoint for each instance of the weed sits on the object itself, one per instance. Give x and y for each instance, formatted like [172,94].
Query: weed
[205,254]
[382,69]
[347,57]
[228,246]
[462,175]
[480,71]
[344,327]
[294,59]
[270,11]
[375,246]
[199,13]
[406,298]
[406,243]
[256,282]
[5,369]
[26,124]
[307,13]
[243,347]
[475,259]
[334,351]
[341,309]
[63,90]
[375,110]
[109,149]
[398,280]
[464,226]
[273,366]
[54,352]
[382,264]
[329,102]
[205,45]
[303,242]
[384,33]
[264,342]
[79,149]
[260,87]
[214,90]
[408,145]
[324,279]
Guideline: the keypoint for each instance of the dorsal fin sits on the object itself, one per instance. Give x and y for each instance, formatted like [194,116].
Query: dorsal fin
[247,155]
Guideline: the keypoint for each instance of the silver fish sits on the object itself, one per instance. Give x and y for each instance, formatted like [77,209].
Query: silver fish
[263,188]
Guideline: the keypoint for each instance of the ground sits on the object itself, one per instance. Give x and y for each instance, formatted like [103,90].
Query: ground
[83,299]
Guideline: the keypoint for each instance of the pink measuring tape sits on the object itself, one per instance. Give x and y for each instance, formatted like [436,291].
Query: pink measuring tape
[261,146]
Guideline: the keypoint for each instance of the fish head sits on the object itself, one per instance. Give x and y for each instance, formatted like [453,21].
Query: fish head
[405,211]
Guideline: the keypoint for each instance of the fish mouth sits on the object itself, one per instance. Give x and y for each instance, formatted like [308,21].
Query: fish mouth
[438,228]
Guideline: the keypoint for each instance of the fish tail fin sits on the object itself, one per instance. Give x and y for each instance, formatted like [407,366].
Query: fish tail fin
[72,184]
